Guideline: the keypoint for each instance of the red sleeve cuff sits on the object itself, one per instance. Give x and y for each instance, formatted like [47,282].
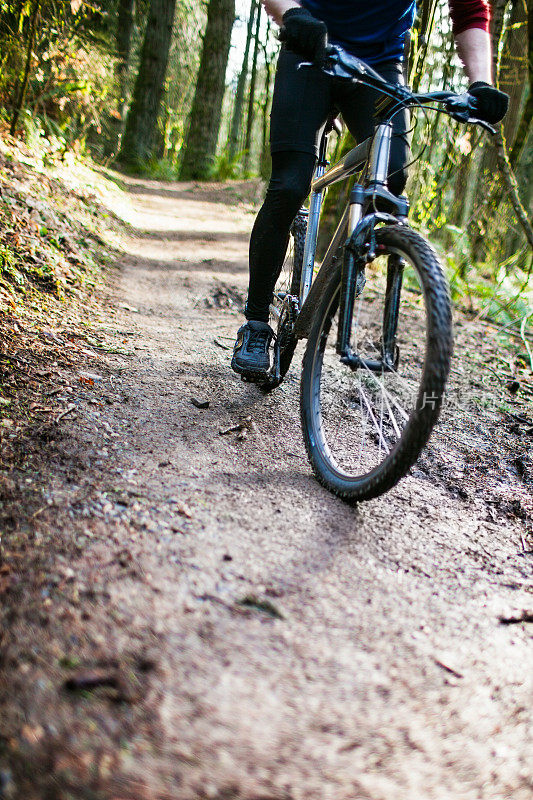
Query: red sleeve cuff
[467,14]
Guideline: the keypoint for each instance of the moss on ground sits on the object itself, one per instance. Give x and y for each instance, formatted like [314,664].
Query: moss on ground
[57,240]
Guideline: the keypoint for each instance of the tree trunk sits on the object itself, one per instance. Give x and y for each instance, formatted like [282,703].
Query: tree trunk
[498,9]
[420,43]
[204,121]
[264,164]
[497,157]
[21,95]
[125,25]
[512,188]
[251,97]
[514,67]
[236,120]
[141,122]
[527,113]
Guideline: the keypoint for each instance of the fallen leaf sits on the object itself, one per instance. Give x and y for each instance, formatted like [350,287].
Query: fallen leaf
[264,606]
[184,510]
[199,403]
[447,667]
[516,617]
[90,376]
[90,679]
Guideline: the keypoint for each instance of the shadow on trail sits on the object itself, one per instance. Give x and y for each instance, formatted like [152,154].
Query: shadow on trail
[191,236]
[209,265]
[194,193]
[206,193]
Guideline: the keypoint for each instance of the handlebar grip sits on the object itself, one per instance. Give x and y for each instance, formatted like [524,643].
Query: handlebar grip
[463,108]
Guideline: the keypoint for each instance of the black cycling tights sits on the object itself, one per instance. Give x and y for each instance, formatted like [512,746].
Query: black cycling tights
[303,99]
[289,186]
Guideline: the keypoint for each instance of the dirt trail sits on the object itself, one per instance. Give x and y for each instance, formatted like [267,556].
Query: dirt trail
[264,641]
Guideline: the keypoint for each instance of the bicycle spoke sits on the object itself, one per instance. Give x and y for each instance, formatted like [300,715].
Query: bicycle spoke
[392,418]
[364,417]
[381,424]
[373,418]
[390,396]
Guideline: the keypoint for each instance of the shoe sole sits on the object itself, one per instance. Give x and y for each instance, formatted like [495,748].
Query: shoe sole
[251,375]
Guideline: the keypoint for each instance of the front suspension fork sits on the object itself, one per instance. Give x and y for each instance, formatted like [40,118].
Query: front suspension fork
[357,252]
[391,311]
[353,264]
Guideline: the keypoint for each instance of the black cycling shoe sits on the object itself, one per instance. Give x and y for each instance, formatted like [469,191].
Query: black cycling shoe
[251,357]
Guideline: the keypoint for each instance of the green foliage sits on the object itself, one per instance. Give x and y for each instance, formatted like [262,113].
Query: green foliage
[226,168]
[8,267]
[162,169]
[71,70]
[457,192]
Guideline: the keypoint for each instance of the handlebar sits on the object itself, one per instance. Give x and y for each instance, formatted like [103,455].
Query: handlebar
[461,107]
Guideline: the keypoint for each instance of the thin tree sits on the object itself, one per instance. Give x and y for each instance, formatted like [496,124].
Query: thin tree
[524,124]
[21,94]
[141,123]
[496,156]
[206,113]
[498,33]
[264,161]
[236,120]
[251,96]
[419,43]
[123,36]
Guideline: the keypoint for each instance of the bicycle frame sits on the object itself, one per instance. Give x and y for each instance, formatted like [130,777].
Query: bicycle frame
[375,151]
[356,227]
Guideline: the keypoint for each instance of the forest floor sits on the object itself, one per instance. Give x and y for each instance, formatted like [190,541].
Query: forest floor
[188,614]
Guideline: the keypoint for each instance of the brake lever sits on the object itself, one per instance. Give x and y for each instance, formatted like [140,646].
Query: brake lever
[463,107]
[464,116]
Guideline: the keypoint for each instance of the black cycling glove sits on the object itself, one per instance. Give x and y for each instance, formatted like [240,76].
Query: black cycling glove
[491,104]
[305,34]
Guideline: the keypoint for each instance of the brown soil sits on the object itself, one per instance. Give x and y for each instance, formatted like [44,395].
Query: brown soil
[190,615]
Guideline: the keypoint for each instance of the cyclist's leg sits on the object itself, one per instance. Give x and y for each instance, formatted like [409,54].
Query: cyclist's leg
[289,186]
[357,102]
[300,106]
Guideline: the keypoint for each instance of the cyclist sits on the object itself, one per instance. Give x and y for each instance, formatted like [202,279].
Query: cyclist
[303,99]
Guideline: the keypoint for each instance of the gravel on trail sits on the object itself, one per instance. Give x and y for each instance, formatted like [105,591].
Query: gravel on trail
[206,621]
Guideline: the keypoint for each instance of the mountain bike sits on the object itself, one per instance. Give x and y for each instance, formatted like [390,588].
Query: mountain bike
[376,314]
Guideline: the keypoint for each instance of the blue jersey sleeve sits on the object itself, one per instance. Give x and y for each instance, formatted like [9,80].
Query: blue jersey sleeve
[372,30]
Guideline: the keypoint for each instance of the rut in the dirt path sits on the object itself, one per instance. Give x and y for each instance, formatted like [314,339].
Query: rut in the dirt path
[219,626]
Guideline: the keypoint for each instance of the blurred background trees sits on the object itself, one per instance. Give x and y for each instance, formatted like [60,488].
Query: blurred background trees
[200,147]
[182,88]
[137,143]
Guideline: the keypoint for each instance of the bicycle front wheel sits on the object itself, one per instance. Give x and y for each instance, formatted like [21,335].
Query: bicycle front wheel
[365,423]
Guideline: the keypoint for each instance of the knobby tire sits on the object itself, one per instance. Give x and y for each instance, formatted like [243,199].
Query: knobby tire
[401,240]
